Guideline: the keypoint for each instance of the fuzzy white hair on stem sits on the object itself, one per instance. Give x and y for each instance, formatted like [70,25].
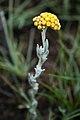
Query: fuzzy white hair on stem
[42,53]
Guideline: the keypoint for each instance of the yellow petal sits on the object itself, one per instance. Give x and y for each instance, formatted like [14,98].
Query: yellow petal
[39,27]
[48,24]
[43,22]
[52,19]
[34,19]
[55,27]
[35,23]
[47,18]
[52,25]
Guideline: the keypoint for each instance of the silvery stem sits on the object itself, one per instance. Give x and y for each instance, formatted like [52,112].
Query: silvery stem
[42,53]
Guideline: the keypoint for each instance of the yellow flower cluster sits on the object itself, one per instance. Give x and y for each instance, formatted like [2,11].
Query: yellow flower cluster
[46,19]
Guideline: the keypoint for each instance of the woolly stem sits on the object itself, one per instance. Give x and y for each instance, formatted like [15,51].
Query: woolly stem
[42,53]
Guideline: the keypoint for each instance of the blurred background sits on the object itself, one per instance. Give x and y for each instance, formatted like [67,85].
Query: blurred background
[59,93]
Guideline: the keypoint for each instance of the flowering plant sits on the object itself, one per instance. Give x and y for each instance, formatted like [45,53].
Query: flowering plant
[42,21]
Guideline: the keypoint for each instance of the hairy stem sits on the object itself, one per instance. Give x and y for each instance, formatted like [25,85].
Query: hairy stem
[42,53]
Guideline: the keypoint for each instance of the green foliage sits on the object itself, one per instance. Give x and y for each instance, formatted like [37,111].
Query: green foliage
[63,98]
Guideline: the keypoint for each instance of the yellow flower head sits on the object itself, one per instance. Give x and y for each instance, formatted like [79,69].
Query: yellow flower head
[46,19]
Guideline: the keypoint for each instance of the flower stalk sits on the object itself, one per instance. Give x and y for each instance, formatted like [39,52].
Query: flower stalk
[42,53]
